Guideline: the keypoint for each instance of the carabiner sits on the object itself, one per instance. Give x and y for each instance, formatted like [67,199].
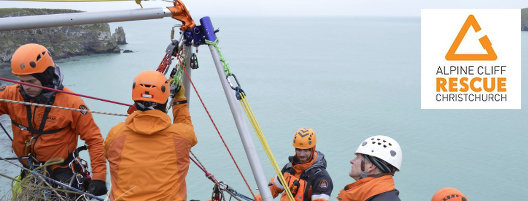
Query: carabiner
[237,89]
[231,84]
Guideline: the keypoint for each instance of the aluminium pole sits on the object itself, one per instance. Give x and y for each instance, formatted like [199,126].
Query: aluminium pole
[243,130]
[238,116]
[187,54]
[67,19]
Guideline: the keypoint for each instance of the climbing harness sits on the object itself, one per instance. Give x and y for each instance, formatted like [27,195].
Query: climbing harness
[192,35]
[5,131]
[79,167]
[47,180]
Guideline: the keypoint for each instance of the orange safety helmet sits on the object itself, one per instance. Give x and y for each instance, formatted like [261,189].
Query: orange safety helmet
[449,194]
[304,138]
[151,86]
[31,58]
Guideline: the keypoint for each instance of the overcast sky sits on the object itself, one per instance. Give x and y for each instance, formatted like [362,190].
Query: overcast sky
[287,7]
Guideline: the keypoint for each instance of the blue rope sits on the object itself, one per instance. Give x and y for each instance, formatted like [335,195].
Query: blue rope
[66,186]
[57,182]
[238,194]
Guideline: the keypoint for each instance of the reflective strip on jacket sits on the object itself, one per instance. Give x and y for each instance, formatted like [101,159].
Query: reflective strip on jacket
[69,125]
[309,181]
[149,156]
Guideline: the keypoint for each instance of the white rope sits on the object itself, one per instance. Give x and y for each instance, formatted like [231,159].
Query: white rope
[64,108]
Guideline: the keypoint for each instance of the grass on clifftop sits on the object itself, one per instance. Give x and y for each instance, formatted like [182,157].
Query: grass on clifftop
[5,12]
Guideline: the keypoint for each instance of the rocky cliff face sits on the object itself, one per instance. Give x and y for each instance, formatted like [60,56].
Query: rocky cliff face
[119,36]
[62,42]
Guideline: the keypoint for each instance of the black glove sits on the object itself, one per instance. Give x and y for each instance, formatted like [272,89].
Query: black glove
[178,92]
[97,187]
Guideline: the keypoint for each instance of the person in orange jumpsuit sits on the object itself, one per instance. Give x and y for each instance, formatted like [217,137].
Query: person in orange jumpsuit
[43,133]
[305,174]
[149,155]
[449,194]
[377,159]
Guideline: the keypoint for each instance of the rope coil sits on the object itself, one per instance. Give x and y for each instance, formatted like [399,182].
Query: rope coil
[222,59]
[47,179]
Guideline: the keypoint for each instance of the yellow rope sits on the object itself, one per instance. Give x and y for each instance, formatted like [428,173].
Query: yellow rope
[258,130]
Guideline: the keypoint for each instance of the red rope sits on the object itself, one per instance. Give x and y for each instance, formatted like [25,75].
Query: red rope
[161,68]
[210,177]
[164,63]
[66,92]
[214,124]
[207,174]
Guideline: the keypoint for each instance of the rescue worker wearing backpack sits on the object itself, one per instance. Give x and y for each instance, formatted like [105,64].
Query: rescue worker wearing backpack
[377,159]
[306,173]
[43,133]
[149,155]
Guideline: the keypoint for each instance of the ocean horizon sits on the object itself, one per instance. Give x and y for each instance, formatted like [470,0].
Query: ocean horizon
[348,78]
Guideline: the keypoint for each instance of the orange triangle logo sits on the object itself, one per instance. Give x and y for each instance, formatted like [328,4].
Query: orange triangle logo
[484,41]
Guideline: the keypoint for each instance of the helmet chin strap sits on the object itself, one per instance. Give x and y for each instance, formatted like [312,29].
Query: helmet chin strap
[312,154]
[145,105]
[363,174]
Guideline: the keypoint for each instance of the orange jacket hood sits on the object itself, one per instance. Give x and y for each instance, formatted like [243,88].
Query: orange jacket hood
[365,188]
[148,122]
[149,156]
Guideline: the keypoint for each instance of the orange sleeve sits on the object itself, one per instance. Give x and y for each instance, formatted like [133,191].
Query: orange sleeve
[16,112]
[6,93]
[90,133]
[180,113]
[258,197]
[274,189]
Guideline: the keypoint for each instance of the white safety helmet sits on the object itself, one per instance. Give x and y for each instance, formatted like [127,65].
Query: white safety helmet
[383,147]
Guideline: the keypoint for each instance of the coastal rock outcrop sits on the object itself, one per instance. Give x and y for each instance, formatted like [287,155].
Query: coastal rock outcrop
[62,42]
[119,36]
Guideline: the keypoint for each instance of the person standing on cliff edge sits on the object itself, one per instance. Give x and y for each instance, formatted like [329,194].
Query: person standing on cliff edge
[44,133]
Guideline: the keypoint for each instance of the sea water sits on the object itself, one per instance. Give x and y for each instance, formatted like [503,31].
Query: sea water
[347,78]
